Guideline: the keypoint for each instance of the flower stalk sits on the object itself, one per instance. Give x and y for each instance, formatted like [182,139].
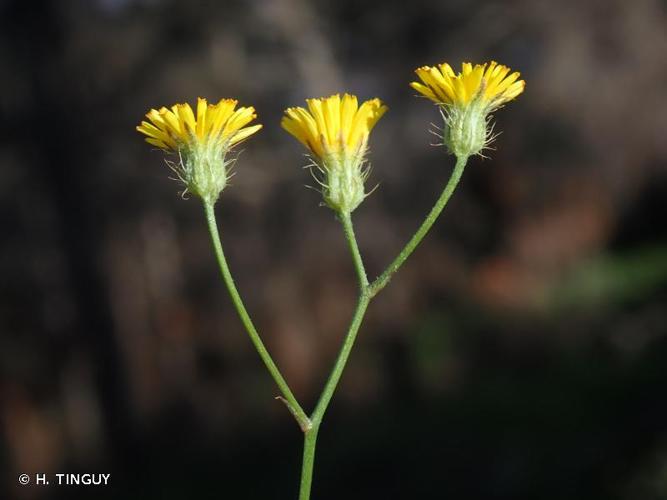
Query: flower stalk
[287,395]
[381,281]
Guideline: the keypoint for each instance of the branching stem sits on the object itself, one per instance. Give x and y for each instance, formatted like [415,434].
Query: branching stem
[311,425]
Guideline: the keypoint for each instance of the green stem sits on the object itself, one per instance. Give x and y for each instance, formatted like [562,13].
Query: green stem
[384,278]
[341,360]
[346,220]
[309,441]
[357,318]
[287,396]
[327,394]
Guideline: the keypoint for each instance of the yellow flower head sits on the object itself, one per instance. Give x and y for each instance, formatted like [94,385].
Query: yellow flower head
[336,132]
[467,99]
[488,82]
[178,128]
[201,141]
[334,125]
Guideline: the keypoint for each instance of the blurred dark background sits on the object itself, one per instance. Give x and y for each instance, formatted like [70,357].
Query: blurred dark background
[520,353]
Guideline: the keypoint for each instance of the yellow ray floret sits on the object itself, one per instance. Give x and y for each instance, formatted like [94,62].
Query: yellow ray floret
[488,82]
[333,124]
[179,127]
